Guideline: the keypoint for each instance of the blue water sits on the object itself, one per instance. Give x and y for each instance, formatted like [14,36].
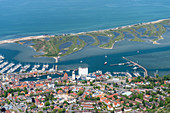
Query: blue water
[34,17]
[103,39]
[65,45]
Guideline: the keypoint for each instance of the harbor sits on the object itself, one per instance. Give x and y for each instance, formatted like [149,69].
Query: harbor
[39,71]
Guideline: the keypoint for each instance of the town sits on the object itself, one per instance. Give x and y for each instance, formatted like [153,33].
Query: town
[85,92]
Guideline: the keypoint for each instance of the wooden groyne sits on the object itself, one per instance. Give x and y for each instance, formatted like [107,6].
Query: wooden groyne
[145,70]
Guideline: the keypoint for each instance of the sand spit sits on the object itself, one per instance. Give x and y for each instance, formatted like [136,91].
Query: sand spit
[24,38]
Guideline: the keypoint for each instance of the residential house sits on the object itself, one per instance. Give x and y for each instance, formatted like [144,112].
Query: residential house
[149,105]
[109,107]
[142,107]
[138,100]
[127,109]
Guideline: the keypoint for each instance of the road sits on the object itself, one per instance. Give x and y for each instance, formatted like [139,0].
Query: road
[14,107]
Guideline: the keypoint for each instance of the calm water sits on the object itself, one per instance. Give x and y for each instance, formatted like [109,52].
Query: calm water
[24,18]
[34,17]
[153,57]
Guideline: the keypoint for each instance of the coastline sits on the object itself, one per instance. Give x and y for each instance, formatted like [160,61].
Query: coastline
[83,33]
[80,33]
[160,38]
[56,59]
[24,38]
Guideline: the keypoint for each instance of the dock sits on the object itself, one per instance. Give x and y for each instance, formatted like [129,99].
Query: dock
[145,70]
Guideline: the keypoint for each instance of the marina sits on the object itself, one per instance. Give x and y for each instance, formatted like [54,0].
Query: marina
[38,70]
[24,68]
[7,67]
[13,69]
[3,64]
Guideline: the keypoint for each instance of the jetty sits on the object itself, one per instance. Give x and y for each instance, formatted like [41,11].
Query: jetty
[145,70]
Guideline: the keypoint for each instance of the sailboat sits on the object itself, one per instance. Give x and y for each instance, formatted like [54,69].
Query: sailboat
[106,61]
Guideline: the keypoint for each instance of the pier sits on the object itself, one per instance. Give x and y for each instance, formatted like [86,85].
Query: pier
[145,73]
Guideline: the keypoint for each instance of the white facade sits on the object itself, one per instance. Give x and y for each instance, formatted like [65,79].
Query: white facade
[73,75]
[83,71]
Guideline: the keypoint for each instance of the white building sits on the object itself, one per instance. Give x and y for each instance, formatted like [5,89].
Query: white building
[83,71]
[73,75]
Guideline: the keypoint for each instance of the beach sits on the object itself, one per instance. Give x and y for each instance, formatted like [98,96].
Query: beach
[23,38]
[80,33]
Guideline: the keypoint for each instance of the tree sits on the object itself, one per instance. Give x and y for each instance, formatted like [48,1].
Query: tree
[161,103]
[9,102]
[47,103]
[52,107]
[33,106]
[115,96]
[157,76]
[54,111]
[127,80]
[121,99]
[100,103]
[153,106]
[137,105]
[140,96]
[151,99]
[97,98]
[40,112]
[65,102]
[130,104]
[80,93]
[143,103]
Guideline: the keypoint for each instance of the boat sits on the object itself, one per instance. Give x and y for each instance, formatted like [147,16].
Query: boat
[60,71]
[81,61]
[49,78]
[24,68]
[1,61]
[105,56]
[7,67]
[38,78]
[135,68]
[68,70]
[1,57]
[105,63]
[3,64]
[120,64]
[13,69]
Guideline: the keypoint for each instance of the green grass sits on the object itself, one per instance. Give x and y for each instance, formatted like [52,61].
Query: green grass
[137,40]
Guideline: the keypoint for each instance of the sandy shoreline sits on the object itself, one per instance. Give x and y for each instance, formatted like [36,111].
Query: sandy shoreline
[56,59]
[45,36]
[24,38]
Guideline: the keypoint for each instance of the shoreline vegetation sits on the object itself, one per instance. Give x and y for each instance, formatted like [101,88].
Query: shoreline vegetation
[57,46]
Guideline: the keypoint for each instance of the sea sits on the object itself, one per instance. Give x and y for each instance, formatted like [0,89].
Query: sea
[38,17]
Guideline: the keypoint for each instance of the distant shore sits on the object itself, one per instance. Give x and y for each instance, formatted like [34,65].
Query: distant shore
[80,33]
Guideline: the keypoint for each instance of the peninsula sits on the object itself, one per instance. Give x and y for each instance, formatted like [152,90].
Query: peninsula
[62,45]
